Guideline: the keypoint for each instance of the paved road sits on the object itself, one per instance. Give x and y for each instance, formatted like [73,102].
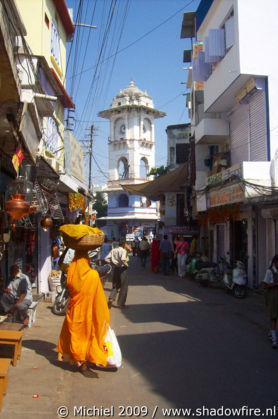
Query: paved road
[183,346]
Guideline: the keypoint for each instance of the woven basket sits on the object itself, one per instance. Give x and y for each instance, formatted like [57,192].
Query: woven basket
[88,242]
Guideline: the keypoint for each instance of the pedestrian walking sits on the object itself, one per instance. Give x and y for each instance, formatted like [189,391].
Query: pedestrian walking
[118,257]
[181,255]
[134,248]
[271,297]
[104,251]
[155,255]
[166,249]
[144,248]
[87,319]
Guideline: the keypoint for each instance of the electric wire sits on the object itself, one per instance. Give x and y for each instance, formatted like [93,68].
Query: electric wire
[144,35]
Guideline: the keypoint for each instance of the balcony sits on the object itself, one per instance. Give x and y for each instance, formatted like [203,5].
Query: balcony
[211,131]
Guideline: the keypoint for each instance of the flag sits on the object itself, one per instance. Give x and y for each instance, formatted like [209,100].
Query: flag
[17,159]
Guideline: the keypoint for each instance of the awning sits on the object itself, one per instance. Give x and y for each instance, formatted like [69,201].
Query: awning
[171,182]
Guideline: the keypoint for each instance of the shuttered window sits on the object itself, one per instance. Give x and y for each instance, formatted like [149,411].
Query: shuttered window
[239,129]
[258,127]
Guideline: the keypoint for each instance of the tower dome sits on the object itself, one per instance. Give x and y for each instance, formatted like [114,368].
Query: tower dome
[132,95]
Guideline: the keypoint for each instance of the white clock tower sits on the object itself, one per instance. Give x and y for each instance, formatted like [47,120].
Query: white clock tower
[131,148]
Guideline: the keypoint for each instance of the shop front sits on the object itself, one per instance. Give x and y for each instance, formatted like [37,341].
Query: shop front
[228,228]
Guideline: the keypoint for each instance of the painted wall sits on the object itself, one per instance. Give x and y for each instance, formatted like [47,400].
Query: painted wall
[39,34]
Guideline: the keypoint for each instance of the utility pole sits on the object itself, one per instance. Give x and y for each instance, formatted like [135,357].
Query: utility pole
[90,156]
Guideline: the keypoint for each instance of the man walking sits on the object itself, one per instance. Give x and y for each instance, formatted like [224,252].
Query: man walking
[144,248]
[166,249]
[118,257]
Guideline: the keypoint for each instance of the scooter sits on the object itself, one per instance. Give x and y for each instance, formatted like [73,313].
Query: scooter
[207,274]
[63,296]
[235,280]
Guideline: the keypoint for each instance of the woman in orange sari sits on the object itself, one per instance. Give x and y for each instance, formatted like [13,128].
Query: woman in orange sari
[87,318]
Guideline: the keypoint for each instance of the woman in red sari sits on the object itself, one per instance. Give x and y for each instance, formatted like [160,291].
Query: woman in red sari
[155,258]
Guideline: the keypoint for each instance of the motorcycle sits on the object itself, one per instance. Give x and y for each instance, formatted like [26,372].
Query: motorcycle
[235,280]
[63,296]
[207,274]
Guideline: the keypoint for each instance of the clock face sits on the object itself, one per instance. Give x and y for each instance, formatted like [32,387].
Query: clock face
[122,129]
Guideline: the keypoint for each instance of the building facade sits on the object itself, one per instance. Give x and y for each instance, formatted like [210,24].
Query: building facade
[35,147]
[233,101]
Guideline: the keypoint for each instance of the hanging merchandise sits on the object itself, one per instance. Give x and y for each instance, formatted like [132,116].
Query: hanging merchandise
[39,199]
[76,201]
[55,208]
[46,222]
[17,202]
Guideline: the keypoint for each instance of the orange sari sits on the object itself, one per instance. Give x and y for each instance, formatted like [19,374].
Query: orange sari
[87,318]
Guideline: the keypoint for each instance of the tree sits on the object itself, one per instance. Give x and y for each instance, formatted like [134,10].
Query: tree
[158,171]
[100,205]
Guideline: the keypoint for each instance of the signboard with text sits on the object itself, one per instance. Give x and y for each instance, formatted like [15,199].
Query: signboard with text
[224,196]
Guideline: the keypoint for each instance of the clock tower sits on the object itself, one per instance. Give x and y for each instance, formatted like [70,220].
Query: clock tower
[131,148]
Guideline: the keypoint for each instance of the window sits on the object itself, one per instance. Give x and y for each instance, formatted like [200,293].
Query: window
[123,201]
[123,168]
[172,155]
[182,153]
[180,210]
[55,43]
[52,136]
[143,168]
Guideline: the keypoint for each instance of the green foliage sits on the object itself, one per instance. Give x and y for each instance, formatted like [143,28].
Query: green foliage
[100,205]
[158,171]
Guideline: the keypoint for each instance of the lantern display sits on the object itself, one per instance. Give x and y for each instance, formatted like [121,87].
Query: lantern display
[46,222]
[16,204]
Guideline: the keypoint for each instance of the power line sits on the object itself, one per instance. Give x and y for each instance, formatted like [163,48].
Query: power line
[141,37]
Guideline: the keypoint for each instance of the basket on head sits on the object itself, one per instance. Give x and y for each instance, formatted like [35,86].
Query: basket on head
[87,242]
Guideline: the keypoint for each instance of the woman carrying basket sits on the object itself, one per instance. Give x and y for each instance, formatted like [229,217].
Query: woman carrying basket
[82,338]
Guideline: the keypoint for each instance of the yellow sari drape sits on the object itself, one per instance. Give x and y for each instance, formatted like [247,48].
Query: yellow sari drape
[87,318]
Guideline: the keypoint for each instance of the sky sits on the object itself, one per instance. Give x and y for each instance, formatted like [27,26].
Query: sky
[138,39]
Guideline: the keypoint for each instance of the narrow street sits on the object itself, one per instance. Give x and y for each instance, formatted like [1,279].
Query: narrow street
[183,346]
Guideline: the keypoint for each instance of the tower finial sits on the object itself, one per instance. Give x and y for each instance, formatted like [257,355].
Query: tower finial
[131,82]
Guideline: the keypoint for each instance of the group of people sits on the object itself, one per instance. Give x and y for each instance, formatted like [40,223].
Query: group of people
[171,255]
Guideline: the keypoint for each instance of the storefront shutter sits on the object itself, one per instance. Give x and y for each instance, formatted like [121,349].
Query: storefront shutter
[239,129]
[258,132]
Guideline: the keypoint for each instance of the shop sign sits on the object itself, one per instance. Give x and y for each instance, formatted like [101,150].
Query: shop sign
[74,160]
[225,175]
[226,196]
[181,230]
[30,132]
[220,215]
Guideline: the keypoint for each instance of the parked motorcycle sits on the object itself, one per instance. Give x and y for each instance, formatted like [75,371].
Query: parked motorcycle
[207,274]
[63,296]
[235,280]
